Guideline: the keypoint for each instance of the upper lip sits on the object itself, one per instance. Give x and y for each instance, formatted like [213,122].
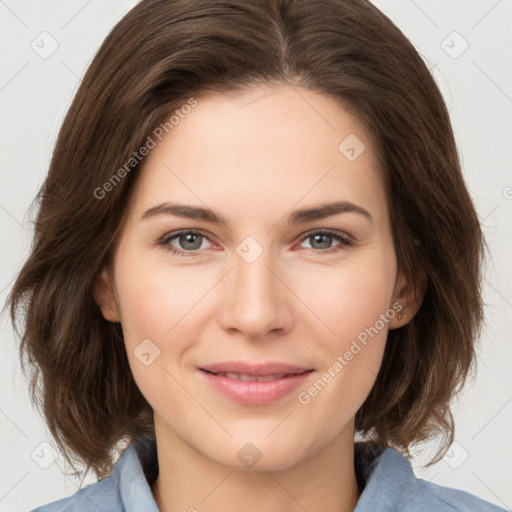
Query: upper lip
[263,369]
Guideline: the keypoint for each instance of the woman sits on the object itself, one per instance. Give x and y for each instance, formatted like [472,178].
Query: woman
[254,242]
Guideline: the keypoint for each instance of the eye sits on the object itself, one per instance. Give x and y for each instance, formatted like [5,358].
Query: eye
[189,241]
[322,240]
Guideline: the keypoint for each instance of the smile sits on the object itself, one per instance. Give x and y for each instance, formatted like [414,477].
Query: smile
[249,389]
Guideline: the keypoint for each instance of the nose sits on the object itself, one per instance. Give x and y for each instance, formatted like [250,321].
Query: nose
[257,302]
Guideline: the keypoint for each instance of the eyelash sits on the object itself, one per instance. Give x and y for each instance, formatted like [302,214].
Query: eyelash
[164,241]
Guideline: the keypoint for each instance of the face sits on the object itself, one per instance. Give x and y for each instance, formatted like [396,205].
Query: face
[262,285]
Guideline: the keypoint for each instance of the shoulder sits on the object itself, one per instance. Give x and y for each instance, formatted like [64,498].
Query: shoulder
[455,499]
[126,489]
[102,495]
[390,484]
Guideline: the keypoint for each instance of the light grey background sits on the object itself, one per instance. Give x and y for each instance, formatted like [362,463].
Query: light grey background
[35,92]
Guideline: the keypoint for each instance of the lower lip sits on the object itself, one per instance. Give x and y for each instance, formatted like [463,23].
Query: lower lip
[256,392]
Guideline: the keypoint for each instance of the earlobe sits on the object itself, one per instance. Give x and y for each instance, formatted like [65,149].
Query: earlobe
[406,299]
[103,292]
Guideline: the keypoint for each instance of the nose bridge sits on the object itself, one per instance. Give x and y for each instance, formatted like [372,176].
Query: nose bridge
[256,301]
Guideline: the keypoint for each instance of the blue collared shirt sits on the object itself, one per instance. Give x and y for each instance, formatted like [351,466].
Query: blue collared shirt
[386,475]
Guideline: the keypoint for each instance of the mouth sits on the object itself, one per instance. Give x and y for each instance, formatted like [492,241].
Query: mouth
[255,384]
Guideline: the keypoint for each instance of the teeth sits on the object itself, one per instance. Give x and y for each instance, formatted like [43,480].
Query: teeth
[252,378]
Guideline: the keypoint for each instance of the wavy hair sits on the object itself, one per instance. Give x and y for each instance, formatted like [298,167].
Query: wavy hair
[158,55]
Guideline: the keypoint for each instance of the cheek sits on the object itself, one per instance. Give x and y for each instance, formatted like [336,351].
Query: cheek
[154,304]
[153,300]
[161,316]
[357,315]
[354,304]
[349,298]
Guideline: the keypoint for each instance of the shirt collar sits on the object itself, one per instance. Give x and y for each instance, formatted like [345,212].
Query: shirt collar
[134,472]
[384,474]
[390,482]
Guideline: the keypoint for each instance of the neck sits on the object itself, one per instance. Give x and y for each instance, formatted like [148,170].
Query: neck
[187,480]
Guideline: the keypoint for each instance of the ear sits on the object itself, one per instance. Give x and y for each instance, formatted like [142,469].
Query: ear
[408,298]
[103,291]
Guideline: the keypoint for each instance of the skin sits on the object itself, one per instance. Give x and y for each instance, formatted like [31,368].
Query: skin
[255,157]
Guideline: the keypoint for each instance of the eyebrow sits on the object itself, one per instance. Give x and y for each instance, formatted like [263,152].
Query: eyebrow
[297,217]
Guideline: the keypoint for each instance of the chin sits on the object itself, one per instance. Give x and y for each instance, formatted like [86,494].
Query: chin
[258,454]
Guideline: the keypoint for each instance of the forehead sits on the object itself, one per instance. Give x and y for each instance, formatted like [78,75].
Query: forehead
[267,149]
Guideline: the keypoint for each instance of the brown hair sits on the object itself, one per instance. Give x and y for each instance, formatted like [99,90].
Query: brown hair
[159,54]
